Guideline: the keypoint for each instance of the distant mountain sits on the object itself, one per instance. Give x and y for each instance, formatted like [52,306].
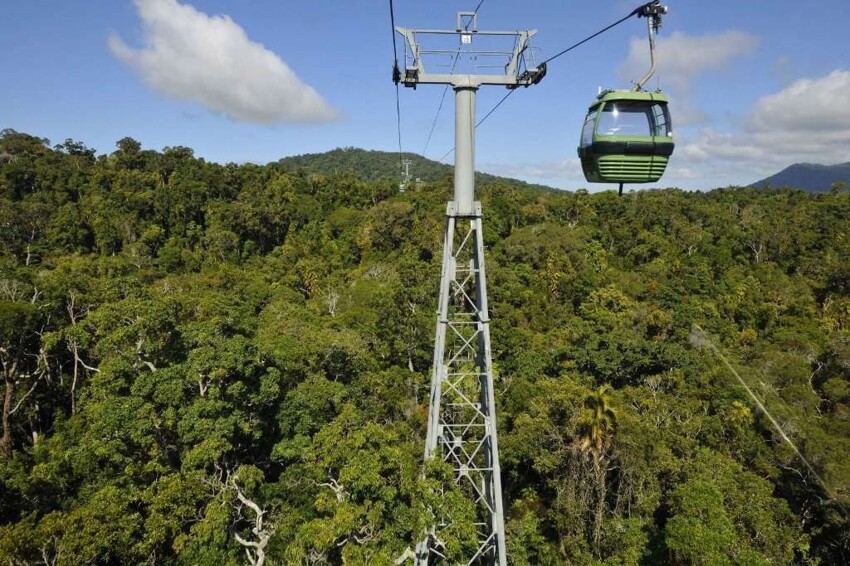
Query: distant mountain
[810,177]
[371,165]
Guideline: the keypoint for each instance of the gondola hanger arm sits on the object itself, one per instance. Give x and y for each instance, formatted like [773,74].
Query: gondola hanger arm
[652,12]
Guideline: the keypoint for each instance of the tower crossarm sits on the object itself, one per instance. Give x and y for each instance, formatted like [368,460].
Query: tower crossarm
[415,72]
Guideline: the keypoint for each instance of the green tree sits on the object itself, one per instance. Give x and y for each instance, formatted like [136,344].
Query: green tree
[596,427]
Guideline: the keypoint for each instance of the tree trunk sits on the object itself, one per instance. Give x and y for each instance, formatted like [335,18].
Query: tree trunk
[599,472]
[74,381]
[6,441]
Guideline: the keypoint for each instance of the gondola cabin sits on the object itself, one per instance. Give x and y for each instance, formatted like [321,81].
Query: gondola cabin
[627,137]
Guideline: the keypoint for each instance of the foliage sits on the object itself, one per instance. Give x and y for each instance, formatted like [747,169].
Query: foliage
[208,363]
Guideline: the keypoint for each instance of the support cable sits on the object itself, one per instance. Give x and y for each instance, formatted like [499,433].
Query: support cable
[440,107]
[504,98]
[398,120]
[396,73]
[639,11]
[474,13]
[636,12]
[481,121]
[392,29]
[445,155]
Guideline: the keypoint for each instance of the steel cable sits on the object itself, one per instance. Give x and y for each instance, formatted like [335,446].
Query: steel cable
[634,12]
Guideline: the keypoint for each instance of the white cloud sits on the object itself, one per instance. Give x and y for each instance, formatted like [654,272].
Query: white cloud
[210,60]
[681,58]
[809,121]
[806,106]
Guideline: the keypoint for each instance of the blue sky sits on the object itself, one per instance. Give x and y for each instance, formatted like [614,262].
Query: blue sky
[754,86]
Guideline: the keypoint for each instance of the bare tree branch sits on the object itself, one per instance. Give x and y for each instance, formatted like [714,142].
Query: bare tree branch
[255,549]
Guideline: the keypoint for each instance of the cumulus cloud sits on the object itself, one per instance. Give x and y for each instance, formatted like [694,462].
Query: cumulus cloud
[806,106]
[808,121]
[210,60]
[682,58]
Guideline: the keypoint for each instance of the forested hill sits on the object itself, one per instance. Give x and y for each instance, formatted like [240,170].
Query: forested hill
[371,165]
[204,360]
[809,177]
[368,165]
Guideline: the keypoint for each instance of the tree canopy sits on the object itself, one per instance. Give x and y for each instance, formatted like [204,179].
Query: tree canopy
[207,363]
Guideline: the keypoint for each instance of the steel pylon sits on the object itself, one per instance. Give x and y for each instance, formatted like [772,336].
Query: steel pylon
[462,412]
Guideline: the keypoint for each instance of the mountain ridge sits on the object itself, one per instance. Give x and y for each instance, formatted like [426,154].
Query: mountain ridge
[810,177]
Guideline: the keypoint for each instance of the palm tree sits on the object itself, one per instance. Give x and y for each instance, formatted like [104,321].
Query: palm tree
[597,423]
[596,427]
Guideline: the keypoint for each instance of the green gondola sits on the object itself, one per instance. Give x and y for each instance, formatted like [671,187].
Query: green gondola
[627,135]
[627,138]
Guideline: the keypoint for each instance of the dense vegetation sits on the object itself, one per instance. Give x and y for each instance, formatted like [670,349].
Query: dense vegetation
[204,360]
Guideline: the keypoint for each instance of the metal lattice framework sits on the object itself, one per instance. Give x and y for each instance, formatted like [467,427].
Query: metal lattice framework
[462,412]
[462,423]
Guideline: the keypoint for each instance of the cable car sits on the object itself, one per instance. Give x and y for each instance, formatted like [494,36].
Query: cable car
[627,137]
